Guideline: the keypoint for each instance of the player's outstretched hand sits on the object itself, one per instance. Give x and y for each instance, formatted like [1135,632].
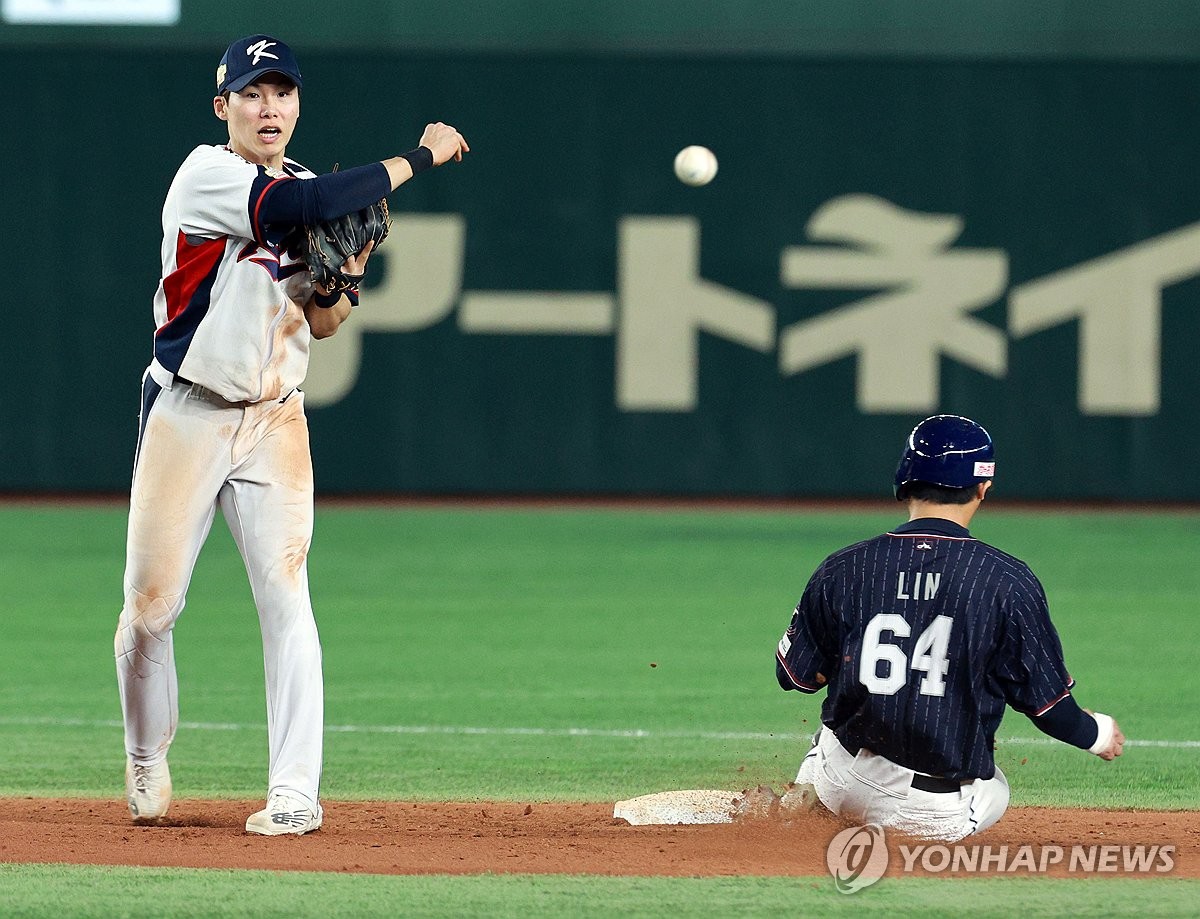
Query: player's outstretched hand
[1117,746]
[445,142]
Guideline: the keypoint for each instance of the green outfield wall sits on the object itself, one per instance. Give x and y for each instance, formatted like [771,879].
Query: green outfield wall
[1014,239]
[1054,29]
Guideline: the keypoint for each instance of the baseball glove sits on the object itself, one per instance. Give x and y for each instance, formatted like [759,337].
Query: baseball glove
[326,246]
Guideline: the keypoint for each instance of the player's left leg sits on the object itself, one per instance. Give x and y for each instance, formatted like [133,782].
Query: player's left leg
[268,504]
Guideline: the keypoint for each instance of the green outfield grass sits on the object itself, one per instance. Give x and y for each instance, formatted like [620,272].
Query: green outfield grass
[568,654]
[86,892]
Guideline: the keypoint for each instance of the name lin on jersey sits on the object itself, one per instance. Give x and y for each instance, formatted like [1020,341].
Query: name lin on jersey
[922,582]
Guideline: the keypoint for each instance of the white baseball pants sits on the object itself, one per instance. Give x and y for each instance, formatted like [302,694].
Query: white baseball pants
[866,788]
[197,451]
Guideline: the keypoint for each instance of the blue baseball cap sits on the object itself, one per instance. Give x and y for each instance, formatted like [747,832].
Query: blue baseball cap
[249,58]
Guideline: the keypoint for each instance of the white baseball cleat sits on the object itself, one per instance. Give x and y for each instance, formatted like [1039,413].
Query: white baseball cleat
[285,815]
[148,791]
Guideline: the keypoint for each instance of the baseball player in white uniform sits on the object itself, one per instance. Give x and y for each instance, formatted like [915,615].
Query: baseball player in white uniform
[222,420]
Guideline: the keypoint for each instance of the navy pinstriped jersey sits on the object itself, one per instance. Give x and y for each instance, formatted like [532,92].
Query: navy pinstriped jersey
[922,635]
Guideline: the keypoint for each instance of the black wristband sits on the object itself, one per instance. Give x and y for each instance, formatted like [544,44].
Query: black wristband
[420,159]
[326,301]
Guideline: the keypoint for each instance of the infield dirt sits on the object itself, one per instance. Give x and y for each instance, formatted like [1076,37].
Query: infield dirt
[539,838]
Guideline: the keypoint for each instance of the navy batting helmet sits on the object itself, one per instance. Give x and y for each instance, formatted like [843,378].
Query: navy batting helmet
[946,450]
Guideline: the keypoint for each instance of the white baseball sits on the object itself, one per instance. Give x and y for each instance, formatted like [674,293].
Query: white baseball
[695,165]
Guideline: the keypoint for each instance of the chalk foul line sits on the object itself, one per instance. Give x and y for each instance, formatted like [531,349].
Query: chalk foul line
[500,731]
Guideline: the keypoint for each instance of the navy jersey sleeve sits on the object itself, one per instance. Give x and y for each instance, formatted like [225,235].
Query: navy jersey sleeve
[1029,663]
[280,200]
[808,652]
[1067,722]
